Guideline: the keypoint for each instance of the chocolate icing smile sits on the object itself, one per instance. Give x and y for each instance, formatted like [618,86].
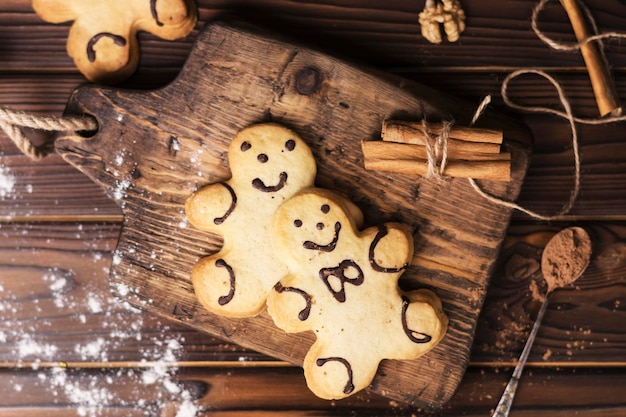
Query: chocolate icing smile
[325,248]
[260,185]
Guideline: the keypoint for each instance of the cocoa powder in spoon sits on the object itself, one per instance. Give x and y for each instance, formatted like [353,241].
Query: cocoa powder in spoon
[565,257]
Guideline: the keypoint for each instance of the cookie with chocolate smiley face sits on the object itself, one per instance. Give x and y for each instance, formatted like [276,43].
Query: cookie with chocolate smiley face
[343,285]
[269,164]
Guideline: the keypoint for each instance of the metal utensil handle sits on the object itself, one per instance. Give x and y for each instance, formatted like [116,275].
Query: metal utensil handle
[504,405]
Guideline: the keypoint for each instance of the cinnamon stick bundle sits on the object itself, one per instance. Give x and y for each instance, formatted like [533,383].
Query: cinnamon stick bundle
[471,152]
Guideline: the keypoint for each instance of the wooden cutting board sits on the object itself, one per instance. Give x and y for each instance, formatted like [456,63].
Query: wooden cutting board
[153,149]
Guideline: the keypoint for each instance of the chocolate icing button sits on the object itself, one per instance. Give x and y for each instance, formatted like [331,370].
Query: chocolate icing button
[339,274]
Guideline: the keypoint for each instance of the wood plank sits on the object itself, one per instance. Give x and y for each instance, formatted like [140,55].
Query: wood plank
[282,392]
[380,33]
[50,190]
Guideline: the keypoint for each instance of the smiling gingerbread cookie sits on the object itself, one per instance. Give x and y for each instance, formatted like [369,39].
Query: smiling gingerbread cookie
[343,285]
[269,164]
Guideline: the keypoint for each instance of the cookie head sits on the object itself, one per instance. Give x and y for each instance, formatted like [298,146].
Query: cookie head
[313,221]
[271,160]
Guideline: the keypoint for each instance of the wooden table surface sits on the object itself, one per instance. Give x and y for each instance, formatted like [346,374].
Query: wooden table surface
[67,347]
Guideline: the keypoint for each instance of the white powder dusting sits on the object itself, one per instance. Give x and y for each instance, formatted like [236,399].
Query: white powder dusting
[58,283]
[95,350]
[27,347]
[94,304]
[120,189]
[91,393]
[7,182]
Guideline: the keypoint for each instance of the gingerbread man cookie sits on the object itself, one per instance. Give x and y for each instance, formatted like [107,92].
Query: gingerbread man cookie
[269,164]
[343,285]
[103,38]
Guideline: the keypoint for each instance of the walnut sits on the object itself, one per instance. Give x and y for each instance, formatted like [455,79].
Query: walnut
[449,13]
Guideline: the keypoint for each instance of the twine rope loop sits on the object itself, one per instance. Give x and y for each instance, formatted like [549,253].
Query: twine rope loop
[14,123]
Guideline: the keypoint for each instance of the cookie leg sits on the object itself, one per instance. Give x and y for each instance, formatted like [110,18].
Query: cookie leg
[333,373]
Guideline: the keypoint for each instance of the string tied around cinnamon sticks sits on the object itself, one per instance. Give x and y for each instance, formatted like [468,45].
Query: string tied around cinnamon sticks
[436,150]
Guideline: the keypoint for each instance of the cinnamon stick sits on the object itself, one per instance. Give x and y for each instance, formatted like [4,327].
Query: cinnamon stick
[411,159]
[467,139]
[601,81]
[391,150]
[487,170]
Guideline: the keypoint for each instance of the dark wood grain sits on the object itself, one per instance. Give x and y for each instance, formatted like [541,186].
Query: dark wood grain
[395,40]
[282,392]
[55,295]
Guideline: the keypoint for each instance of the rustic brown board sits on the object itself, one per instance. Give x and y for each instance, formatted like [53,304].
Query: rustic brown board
[154,148]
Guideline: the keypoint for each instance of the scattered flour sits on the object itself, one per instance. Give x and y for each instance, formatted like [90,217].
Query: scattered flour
[120,189]
[94,304]
[7,183]
[27,348]
[93,393]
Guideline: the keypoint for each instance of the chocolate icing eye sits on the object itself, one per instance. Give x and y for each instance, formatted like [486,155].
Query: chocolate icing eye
[297,223]
[290,145]
[262,158]
[245,146]
[325,208]
[320,226]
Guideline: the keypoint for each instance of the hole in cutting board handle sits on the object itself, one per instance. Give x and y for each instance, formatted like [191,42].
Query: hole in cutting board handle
[92,132]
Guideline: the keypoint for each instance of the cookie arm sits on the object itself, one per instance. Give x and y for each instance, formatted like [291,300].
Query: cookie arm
[208,208]
[104,48]
[169,19]
[290,307]
[391,248]
[423,315]
[54,11]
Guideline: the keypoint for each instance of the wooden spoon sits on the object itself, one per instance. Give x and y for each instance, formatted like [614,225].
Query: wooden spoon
[564,259]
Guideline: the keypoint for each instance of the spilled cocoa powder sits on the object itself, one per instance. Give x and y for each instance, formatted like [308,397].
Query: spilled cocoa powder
[565,257]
